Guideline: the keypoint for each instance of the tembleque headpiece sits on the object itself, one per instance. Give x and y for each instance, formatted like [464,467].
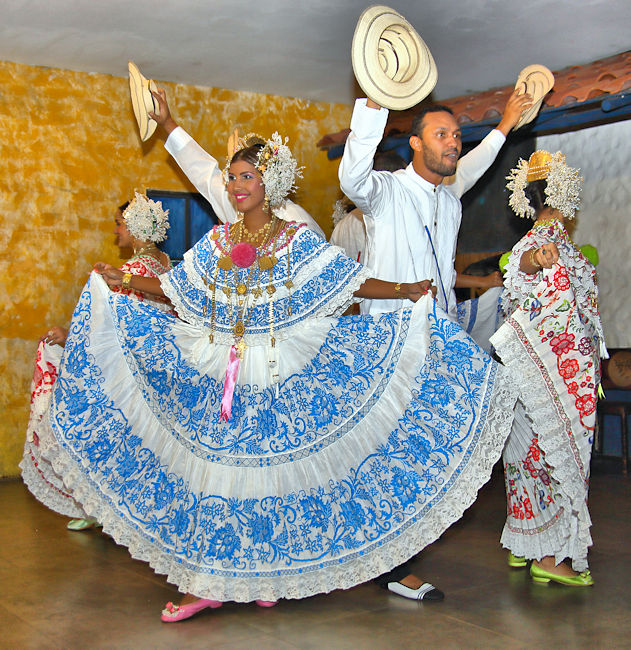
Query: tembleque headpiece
[146,220]
[563,185]
[275,163]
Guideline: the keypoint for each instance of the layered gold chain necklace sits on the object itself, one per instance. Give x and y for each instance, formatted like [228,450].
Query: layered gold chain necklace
[243,292]
[151,249]
[238,251]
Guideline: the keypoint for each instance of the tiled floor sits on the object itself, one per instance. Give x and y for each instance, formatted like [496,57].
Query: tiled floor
[79,590]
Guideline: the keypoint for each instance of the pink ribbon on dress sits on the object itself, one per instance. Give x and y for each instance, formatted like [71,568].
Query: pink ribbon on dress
[229,382]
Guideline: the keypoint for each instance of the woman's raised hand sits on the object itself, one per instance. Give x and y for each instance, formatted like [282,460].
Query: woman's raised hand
[162,114]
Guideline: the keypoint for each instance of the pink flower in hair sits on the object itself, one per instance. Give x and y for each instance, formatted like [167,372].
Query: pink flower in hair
[243,255]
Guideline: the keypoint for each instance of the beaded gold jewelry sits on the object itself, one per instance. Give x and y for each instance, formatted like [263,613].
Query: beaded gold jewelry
[539,165]
[243,294]
[152,250]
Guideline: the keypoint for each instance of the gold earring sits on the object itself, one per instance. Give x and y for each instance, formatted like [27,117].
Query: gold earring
[266,203]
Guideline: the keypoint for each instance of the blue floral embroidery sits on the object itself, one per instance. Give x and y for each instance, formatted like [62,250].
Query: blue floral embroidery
[302,530]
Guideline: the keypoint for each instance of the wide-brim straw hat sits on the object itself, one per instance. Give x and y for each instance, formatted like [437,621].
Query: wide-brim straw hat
[537,81]
[392,63]
[142,101]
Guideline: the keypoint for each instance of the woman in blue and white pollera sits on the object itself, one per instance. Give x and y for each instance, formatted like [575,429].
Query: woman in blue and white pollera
[260,448]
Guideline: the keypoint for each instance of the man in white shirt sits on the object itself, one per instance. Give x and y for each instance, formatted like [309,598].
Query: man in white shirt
[412,219]
[204,172]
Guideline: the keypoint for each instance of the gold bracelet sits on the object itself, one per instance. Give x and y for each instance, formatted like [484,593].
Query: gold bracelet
[531,259]
[397,289]
[126,282]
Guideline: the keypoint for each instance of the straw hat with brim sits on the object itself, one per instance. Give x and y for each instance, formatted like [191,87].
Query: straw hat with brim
[537,81]
[233,144]
[392,64]
[142,101]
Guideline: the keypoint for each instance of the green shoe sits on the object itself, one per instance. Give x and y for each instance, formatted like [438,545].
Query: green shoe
[515,561]
[542,576]
[82,524]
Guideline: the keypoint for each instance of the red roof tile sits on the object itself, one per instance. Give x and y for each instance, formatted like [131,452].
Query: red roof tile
[574,84]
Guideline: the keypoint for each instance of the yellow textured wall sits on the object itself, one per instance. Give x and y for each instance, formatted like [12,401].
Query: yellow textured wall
[70,155]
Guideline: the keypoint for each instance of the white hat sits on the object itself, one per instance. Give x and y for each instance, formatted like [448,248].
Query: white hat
[392,64]
[537,81]
[233,144]
[142,101]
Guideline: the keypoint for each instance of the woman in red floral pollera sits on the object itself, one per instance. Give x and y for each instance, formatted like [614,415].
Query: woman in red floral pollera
[140,226]
[554,339]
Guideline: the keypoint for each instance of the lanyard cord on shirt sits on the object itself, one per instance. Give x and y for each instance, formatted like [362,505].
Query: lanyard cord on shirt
[440,275]
[420,211]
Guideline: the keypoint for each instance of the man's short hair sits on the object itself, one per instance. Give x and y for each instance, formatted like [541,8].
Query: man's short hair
[417,123]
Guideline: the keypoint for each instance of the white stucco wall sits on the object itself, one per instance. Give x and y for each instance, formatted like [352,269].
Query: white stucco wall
[603,155]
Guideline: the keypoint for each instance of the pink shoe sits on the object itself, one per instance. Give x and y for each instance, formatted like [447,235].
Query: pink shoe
[266,603]
[174,613]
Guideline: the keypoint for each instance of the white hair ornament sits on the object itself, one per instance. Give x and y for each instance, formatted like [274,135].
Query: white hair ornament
[563,185]
[146,220]
[339,211]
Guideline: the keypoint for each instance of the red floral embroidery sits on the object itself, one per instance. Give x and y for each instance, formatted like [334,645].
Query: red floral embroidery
[561,281]
[586,404]
[43,377]
[562,343]
[528,508]
[517,513]
[585,346]
[572,388]
[568,368]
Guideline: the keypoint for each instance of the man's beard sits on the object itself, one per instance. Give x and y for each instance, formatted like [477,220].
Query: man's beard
[437,165]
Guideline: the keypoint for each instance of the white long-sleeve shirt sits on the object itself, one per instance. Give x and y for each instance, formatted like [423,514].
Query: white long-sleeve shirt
[350,234]
[203,171]
[399,206]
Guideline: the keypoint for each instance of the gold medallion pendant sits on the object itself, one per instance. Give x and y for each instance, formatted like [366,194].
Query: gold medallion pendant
[267,262]
[241,288]
[225,263]
[239,328]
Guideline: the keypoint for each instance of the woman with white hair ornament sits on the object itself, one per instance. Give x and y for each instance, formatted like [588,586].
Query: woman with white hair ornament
[554,339]
[140,226]
[205,173]
[261,448]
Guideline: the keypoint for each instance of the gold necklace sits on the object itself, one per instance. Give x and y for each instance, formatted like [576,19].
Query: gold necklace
[144,250]
[243,294]
[551,221]
[240,233]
